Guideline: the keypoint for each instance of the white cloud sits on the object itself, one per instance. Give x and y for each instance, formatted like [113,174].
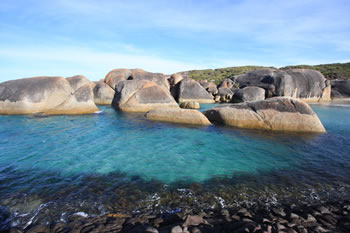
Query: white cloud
[68,61]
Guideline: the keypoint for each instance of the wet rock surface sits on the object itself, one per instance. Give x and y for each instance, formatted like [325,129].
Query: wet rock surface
[333,217]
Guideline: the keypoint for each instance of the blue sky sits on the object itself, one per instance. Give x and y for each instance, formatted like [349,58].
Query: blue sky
[69,37]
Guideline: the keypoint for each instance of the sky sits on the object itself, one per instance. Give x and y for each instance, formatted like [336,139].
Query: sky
[87,37]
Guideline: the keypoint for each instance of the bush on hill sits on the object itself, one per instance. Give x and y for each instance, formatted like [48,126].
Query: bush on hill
[330,71]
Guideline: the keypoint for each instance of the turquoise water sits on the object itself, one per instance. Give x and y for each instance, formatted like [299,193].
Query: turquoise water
[94,157]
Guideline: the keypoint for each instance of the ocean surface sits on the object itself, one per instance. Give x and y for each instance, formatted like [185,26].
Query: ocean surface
[52,168]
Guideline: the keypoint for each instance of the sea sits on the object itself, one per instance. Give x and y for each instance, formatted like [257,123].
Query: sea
[56,167]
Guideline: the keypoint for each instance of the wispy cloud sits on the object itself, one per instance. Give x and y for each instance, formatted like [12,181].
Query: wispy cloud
[94,64]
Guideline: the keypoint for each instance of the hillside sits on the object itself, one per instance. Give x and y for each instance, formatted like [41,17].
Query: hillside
[330,71]
[220,74]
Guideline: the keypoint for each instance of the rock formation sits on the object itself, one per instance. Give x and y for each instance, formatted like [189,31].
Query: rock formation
[306,84]
[141,96]
[116,76]
[227,83]
[190,90]
[190,105]
[78,81]
[248,94]
[279,113]
[46,95]
[341,89]
[103,93]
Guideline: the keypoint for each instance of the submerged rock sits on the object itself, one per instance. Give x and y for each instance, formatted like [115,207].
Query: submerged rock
[182,116]
[306,84]
[279,113]
[47,95]
[141,96]
[103,93]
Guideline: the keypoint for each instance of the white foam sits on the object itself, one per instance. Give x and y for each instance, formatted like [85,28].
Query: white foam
[83,214]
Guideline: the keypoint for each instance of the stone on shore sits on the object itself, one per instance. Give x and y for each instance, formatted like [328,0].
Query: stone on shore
[279,113]
[190,90]
[190,105]
[103,93]
[141,96]
[306,84]
[45,95]
[248,94]
[181,116]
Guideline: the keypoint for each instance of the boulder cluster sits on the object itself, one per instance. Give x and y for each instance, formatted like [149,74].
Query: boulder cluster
[269,99]
[47,95]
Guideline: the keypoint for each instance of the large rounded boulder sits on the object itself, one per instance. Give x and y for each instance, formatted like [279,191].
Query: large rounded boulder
[103,93]
[81,101]
[190,90]
[158,78]
[176,115]
[341,89]
[225,94]
[209,87]
[78,81]
[47,95]
[118,75]
[141,96]
[309,85]
[227,83]
[248,94]
[279,113]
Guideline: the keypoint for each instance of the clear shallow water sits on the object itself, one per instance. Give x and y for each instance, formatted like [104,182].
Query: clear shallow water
[103,162]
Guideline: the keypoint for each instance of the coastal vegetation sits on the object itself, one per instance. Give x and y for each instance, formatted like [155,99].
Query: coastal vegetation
[334,71]
[218,75]
[330,71]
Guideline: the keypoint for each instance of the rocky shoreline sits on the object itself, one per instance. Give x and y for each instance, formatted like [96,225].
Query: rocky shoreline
[325,217]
